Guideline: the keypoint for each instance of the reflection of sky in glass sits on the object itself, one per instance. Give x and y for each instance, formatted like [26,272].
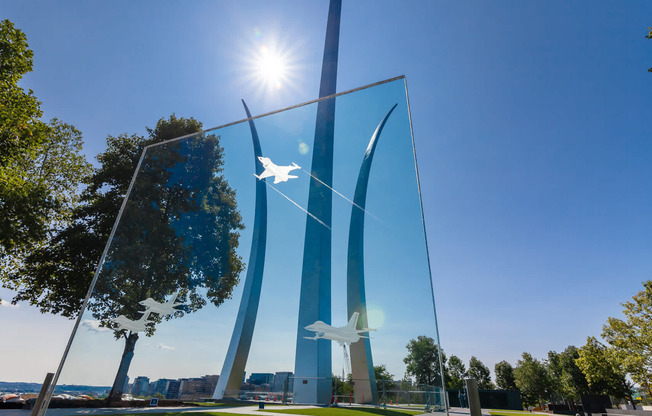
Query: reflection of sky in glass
[398,290]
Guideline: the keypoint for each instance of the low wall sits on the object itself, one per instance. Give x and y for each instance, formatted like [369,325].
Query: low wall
[491,399]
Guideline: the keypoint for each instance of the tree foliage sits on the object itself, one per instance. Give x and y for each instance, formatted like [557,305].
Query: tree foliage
[603,371]
[505,376]
[38,192]
[381,373]
[532,380]
[41,164]
[631,338]
[55,277]
[21,130]
[567,379]
[343,387]
[456,373]
[384,380]
[177,234]
[423,361]
[481,374]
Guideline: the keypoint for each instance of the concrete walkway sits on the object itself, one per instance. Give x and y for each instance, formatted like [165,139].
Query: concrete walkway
[243,410]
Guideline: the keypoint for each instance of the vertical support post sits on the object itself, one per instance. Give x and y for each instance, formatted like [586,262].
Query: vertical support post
[473,397]
[384,395]
[285,390]
[41,404]
[313,359]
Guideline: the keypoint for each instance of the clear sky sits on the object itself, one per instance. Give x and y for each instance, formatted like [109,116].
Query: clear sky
[531,124]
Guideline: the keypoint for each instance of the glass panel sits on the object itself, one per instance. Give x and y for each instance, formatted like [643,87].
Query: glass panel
[166,299]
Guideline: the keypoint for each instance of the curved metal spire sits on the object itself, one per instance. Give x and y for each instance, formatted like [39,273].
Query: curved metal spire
[230,379]
[362,366]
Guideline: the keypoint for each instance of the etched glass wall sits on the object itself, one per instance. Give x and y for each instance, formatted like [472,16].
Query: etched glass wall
[186,232]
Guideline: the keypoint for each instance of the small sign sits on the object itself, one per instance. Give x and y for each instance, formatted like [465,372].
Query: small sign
[153,402]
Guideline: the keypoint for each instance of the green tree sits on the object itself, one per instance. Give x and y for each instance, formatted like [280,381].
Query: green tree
[40,164]
[631,338]
[567,379]
[21,130]
[177,234]
[532,380]
[505,376]
[342,387]
[55,277]
[456,373]
[381,373]
[423,361]
[384,380]
[481,374]
[603,371]
[38,193]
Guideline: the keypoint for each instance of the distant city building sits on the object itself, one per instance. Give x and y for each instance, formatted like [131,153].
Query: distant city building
[161,386]
[210,382]
[184,389]
[198,388]
[279,381]
[247,387]
[188,388]
[173,387]
[261,378]
[141,384]
[150,389]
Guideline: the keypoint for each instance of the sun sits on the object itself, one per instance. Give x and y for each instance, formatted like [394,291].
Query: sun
[271,67]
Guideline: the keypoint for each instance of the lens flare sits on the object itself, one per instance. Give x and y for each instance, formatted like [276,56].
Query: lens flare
[303,148]
[375,317]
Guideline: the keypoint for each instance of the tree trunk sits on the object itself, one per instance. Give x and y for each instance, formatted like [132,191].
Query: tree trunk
[631,396]
[125,362]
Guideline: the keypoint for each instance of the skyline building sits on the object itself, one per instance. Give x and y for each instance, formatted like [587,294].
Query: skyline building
[140,387]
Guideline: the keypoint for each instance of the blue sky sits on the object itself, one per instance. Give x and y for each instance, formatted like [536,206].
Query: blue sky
[531,124]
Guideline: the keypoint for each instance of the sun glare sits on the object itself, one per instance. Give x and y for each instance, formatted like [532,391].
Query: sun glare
[271,67]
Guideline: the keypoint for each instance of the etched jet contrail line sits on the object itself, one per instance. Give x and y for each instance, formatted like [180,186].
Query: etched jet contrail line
[297,205]
[332,189]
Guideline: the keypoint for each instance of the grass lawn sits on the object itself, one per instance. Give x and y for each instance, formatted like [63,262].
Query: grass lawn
[320,411]
[207,413]
[208,404]
[348,411]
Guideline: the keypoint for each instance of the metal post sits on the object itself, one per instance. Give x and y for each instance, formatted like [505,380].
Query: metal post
[41,404]
[473,397]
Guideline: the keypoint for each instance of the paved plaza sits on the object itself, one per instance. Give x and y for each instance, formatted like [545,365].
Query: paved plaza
[244,410]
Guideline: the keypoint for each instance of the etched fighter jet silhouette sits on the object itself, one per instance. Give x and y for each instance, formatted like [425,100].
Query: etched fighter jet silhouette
[133,326]
[280,173]
[344,335]
[161,308]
